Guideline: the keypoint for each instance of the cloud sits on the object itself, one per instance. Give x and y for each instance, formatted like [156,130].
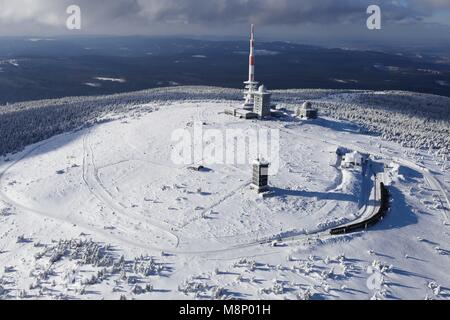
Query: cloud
[137,15]
[14,12]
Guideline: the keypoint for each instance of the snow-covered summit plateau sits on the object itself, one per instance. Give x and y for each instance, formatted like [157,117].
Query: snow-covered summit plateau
[92,205]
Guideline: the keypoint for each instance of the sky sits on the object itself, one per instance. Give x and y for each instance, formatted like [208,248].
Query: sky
[412,21]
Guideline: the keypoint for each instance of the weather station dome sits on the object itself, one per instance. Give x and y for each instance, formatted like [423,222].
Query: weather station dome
[307,105]
[306,111]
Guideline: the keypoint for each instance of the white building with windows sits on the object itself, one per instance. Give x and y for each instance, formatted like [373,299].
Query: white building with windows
[262,102]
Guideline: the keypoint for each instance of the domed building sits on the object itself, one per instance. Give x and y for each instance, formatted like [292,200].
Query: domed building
[306,111]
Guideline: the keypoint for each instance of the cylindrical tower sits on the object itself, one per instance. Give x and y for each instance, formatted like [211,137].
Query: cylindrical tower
[251,85]
[251,76]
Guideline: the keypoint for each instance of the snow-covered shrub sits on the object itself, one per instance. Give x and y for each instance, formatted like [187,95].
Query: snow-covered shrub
[327,274]
[218,293]
[245,263]
[22,294]
[8,269]
[21,239]
[193,287]
[86,252]
[305,294]
[436,288]
[137,289]
[277,288]
[5,212]
[149,287]
[305,267]
[146,266]
[90,281]
[381,267]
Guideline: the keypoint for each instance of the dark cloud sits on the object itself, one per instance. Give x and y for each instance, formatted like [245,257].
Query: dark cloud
[141,16]
[269,11]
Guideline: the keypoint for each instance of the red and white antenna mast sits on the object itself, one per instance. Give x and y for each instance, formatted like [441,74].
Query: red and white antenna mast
[251,77]
[251,85]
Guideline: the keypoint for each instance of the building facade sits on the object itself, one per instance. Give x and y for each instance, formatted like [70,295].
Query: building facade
[262,102]
[260,175]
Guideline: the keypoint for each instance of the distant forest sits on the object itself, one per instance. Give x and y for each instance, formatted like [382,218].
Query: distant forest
[35,69]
